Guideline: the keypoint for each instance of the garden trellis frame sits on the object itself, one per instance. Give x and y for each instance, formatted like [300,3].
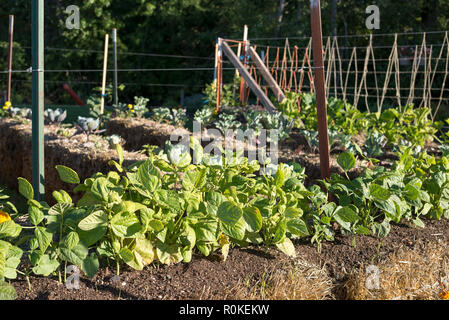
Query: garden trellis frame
[317,44]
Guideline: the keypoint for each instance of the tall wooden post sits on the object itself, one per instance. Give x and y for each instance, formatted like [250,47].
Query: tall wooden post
[11,32]
[114,42]
[38,99]
[317,42]
[219,71]
[105,66]
[245,63]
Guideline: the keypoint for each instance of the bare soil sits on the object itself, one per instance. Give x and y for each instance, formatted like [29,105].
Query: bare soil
[210,277]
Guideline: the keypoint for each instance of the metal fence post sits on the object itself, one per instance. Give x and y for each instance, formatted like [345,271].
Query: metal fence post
[38,99]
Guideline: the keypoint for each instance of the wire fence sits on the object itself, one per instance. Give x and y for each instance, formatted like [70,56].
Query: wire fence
[404,73]
[397,74]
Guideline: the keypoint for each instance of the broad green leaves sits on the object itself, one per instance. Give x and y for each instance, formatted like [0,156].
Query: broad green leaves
[7,291]
[67,175]
[346,161]
[25,188]
[229,213]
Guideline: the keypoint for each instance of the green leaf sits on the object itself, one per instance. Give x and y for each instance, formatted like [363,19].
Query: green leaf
[100,189]
[43,238]
[25,188]
[87,200]
[411,192]
[9,229]
[346,161]
[169,199]
[179,155]
[345,216]
[71,240]
[156,225]
[119,150]
[125,225]
[381,229]
[418,222]
[128,206]
[206,230]
[67,175]
[279,233]
[90,265]
[229,213]
[253,219]
[378,193]
[126,255]
[46,266]
[148,175]
[96,219]
[116,165]
[287,247]
[298,227]
[293,212]
[59,209]
[168,253]
[237,230]
[280,176]
[76,255]
[7,291]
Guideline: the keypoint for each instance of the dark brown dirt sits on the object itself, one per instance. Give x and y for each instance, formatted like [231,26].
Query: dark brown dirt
[210,277]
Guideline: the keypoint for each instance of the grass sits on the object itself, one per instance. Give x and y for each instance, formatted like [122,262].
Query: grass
[421,273]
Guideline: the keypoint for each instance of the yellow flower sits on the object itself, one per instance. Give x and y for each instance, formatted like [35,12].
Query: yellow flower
[130,106]
[4,216]
[444,295]
[7,105]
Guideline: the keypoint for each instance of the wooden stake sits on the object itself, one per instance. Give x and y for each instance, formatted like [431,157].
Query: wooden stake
[11,32]
[219,72]
[245,63]
[247,76]
[105,66]
[317,40]
[266,75]
[114,42]
[239,48]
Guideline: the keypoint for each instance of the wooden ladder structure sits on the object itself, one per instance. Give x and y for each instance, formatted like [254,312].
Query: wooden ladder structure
[223,47]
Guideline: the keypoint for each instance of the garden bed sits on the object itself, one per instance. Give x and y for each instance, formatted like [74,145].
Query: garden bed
[138,132]
[311,275]
[71,150]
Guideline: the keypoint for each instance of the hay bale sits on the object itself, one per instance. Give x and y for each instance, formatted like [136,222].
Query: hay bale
[85,157]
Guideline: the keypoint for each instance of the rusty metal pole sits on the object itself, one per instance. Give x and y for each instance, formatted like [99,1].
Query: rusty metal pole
[11,32]
[219,72]
[317,42]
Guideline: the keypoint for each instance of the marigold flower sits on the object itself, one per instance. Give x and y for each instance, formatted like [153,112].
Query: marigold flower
[444,295]
[4,217]
[7,105]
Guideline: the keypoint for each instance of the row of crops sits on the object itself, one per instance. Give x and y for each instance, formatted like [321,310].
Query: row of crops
[168,207]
